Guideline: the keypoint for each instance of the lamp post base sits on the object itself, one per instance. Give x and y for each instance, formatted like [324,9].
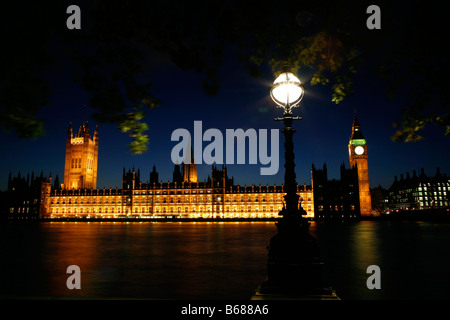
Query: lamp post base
[294,267]
[323,294]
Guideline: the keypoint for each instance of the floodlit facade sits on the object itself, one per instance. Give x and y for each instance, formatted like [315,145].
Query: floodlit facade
[184,197]
[188,200]
[80,170]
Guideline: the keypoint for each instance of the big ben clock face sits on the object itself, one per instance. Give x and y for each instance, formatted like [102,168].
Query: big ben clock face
[359,150]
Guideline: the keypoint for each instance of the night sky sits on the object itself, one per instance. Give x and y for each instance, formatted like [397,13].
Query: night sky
[243,102]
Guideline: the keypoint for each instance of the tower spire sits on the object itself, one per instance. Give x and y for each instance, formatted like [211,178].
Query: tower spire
[84,114]
[355,119]
[69,132]
[356,129]
[9,181]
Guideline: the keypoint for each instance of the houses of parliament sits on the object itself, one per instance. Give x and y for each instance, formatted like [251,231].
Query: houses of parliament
[185,196]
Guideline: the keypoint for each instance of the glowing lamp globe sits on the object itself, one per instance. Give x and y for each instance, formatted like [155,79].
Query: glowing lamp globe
[287,90]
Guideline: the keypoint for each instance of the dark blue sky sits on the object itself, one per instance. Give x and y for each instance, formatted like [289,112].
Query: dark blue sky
[243,102]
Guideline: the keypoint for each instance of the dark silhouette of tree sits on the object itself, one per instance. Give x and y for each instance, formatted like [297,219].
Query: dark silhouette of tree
[119,42]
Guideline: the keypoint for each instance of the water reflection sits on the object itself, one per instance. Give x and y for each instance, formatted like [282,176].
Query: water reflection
[412,256]
[143,260]
[199,260]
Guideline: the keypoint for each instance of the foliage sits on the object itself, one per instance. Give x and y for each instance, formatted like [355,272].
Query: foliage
[120,42]
[135,128]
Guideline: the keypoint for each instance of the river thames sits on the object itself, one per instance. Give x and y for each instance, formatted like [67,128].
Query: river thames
[216,260]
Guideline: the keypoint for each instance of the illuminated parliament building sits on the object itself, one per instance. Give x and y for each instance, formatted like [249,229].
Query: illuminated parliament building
[185,196]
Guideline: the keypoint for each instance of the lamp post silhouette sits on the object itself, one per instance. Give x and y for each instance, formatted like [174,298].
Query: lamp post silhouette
[294,265]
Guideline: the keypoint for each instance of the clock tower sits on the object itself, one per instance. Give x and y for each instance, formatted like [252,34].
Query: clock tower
[357,150]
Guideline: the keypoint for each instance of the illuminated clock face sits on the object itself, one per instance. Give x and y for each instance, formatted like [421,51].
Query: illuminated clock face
[359,150]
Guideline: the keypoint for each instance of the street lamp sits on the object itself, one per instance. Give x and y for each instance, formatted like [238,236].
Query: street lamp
[287,92]
[294,266]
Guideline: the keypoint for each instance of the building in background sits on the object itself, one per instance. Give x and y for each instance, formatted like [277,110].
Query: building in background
[183,197]
[188,197]
[380,199]
[419,192]
[335,199]
[25,198]
[216,197]
[350,196]
[80,169]
[358,156]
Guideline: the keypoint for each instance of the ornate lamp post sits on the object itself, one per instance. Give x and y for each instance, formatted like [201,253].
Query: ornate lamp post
[287,92]
[294,266]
